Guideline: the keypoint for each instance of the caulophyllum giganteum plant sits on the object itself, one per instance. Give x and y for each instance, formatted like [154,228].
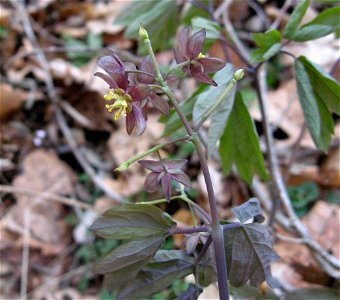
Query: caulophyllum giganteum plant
[240,251]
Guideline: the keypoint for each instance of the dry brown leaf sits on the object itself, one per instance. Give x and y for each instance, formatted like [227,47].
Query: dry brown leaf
[297,267]
[330,169]
[45,172]
[183,218]
[11,100]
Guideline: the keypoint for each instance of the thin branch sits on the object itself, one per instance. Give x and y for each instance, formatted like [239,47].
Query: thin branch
[281,14]
[46,195]
[204,250]
[25,254]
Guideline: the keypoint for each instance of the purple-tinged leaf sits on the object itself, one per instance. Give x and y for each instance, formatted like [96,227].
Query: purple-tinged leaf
[248,254]
[195,43]
[152,165]
[191,293]
[152,182]
[129,255]
[132,221]
[168,266]
[248,210]
[191,243]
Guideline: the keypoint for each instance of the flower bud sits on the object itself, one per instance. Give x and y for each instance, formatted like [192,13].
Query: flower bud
[143,33]
[239,74]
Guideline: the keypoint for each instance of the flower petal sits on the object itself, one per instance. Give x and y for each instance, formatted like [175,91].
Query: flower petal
[152,165]
[147,67]
[152,182]
[211,65]
[110,65]
[160,104]
[181,177]
[132,77]
[121,80]
[183,39]
[130,123]
[197,73]
[107,79]
[195,44]
[179,56]
[140,123]
[166,184]
[139,92]
[175,164]
[115,57]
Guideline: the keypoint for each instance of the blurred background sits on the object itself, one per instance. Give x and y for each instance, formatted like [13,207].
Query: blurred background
[59,145]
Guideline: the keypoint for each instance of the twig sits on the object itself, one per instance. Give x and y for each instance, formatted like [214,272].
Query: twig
[293,153]
[25,254]
[125,55]
[76,115]
[179,230]
[280,16]
[52,94]
[204,249]
[46,196]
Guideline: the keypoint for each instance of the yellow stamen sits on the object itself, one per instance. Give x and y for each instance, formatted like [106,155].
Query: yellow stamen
[201,55]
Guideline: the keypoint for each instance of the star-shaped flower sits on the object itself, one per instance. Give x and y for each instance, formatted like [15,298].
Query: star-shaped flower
[189,48]
[163,172]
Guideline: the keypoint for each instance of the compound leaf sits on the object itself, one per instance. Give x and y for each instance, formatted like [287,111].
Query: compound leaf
[269,44]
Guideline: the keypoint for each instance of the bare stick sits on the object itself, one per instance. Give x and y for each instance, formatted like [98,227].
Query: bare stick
[25,254]
[46,196]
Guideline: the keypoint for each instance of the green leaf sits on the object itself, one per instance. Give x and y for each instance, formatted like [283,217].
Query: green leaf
[174,122]
[248,210]
[269,43]
[159,18]
[240,144]
[132,221]
[248,253]
[295,19]
[195,11]
[325,23]
[208,98]
[250,292]
[318,118]
[323,84]
[167,267]
[314,294]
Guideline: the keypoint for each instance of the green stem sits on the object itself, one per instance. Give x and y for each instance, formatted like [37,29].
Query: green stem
[137,157]
[141,72]
[181,65]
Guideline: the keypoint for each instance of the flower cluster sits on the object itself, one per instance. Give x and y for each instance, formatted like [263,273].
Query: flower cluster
[163,173]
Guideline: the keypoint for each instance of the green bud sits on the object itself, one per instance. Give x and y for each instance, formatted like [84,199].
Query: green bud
[122,167]
[143,33]
[239,74]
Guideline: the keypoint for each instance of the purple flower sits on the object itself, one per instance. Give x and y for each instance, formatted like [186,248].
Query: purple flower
[189,48]
[157,101]
[125,93]
[163,172]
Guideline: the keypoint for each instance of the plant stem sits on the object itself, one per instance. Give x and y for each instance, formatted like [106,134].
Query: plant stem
[140,72]
[181,65]
[137,157]
[217,231]
[178,230]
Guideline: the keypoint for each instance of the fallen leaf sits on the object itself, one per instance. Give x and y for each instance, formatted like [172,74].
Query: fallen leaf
[11,100]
